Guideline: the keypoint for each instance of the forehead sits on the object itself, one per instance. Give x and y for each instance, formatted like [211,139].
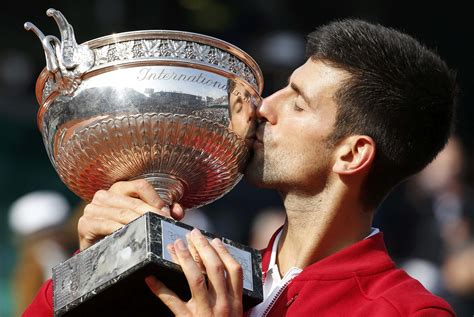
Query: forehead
[318,79]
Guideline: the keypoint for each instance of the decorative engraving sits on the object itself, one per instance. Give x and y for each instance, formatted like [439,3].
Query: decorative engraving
[101,55]
[67,61]
[137,50]
[217,154]
[174,50]
[177,48]
[123,50]
[151,48]
[202,52]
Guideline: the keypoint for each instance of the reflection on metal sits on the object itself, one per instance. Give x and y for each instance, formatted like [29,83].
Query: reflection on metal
[174,108]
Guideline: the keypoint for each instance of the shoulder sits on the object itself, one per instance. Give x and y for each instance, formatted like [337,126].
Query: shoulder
[42,304]
[404,294]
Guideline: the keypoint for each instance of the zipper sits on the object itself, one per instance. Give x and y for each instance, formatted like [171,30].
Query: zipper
[275,298]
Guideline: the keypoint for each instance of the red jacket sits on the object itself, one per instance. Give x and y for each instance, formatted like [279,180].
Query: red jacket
[360,280]
[42,305]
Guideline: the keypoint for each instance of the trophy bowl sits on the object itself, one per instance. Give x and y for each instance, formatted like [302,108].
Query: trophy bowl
[174,108]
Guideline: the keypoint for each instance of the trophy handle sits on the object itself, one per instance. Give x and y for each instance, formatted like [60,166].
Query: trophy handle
[48,43]
[65,59]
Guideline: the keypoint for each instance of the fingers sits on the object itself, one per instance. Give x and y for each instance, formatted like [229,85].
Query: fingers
[99,221]
[124,202]
[224,295]
[194,253]
[167,296]
[142,197]
[119,215]
[172,252]
[141,189]
[177,211]
[223,270]
[224,273]
[214,267]
[233,268]
[93,229]
[194,275]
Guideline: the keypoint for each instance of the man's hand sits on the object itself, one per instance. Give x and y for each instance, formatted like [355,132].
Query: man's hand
[222,296]
[111,209]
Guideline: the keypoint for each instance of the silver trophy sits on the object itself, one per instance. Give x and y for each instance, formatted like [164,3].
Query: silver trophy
[174,108]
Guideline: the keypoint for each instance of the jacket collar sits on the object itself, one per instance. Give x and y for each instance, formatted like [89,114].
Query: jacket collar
[366,257]
[267,253]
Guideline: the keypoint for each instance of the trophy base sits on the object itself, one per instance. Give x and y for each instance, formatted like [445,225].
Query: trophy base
[107,279]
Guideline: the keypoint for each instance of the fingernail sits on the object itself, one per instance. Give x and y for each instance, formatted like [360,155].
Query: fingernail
[217,242]
[180,244]
[170,248]
[151,282]
[165,209]
[196,232]
[177,212]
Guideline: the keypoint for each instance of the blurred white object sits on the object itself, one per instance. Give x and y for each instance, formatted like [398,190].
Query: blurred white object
[426,272]
[36,211]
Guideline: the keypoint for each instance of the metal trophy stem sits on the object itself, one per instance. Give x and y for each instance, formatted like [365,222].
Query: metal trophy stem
[175,108]
[167,186]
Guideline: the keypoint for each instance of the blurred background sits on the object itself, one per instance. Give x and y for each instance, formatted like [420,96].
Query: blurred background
[428,221]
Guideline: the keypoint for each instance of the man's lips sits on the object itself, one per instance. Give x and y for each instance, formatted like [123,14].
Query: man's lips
[259,132]
[250,141]
[257,142]
[259,135]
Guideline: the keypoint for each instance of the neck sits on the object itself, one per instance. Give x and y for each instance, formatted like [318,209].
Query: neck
[318,226]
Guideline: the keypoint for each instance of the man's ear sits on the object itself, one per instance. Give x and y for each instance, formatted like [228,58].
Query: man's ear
[354,154]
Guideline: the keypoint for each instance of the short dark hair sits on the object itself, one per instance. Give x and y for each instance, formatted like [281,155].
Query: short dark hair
[400,93]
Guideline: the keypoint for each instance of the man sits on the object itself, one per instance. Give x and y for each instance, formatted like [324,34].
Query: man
[370,107]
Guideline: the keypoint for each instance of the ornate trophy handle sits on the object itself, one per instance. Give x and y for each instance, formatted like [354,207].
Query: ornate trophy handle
[65,59]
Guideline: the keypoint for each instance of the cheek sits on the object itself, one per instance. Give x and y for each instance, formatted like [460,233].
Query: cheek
[302,137]
[305,148]
[293,149]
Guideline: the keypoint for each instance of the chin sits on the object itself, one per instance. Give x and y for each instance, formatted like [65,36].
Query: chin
[254,174]
[261,172]
[251,173]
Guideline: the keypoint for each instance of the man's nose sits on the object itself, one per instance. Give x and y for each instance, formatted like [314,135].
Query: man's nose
[266,110]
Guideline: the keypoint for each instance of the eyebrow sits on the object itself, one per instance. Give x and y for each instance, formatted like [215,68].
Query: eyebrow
[299,91]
